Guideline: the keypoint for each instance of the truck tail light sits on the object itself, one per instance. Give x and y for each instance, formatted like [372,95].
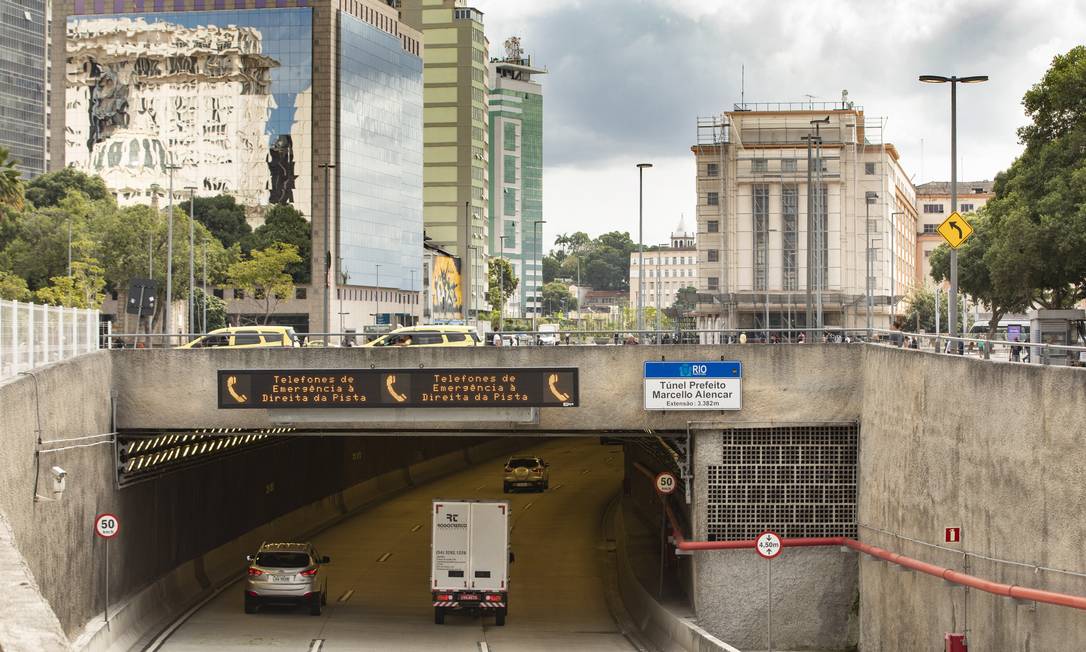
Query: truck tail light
[443,596]
[255,571]
[494,597]
[309,573]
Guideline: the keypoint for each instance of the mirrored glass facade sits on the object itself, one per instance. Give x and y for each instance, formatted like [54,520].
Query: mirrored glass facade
[380,158]
[22,83]
[225,95]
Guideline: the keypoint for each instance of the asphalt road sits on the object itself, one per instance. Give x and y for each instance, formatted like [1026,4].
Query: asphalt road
[379,598]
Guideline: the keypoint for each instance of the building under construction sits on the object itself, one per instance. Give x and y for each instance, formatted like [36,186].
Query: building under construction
[805,217]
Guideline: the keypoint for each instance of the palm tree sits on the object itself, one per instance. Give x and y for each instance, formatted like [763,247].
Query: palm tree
[11,186]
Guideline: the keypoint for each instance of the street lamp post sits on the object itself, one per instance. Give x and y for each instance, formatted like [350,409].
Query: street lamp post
[641,245]
[501,281]
[168,327]
[870,198]
[952,304]
[377,312]
[539,264]
[893,260]
[192,259]
[325,316]
[204,320]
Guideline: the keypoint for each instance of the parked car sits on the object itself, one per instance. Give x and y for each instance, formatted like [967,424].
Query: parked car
[286,573]
[246,337]
[435,335]
[526,473]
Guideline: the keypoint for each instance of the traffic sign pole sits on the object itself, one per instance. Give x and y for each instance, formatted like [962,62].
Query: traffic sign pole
[665,484]
[106,526]
[768,545]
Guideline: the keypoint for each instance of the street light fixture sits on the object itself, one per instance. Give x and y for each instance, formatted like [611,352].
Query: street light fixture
[192,259]
[539,264]
[168,323]
[641,245]
[952,304]
[325,316]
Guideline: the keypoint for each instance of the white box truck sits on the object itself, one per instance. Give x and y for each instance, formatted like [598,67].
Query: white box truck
[469,550]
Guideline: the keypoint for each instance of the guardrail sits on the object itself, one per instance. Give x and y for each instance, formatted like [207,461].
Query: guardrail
[32,335]
[977,347]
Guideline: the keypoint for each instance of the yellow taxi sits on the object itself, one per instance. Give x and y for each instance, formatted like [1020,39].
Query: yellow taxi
[431,335]
[245,337]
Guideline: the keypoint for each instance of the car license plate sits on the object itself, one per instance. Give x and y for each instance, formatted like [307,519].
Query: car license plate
[468,596]
[282,578]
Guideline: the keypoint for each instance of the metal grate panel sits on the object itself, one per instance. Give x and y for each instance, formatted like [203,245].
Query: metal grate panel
[799,481]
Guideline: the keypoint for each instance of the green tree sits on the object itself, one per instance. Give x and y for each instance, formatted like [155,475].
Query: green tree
[35,245]
[557,298]
[223,217]
[216,311]
[264,275]
[920,309]
[604,261]
[13,288]
[11,186]
[285,224]
[502,281]
[51,188]
[552,268]
[686,300]
[83,289]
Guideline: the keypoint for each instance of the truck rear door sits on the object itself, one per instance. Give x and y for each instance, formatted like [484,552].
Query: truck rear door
[489,546]
[449,567]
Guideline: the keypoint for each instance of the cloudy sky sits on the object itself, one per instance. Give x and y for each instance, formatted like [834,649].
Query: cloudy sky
[628,79]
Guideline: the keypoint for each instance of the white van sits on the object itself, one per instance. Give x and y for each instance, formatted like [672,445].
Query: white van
[548,334]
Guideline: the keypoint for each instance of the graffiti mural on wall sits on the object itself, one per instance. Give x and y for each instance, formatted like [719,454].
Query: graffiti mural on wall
[445,295]
[224,96]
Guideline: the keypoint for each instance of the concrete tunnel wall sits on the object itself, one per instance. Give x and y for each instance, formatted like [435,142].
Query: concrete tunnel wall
[177,520]
[997,449]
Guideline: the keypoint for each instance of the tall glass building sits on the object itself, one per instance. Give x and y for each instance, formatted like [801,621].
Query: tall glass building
[23,61]
[516,175]
[283,102]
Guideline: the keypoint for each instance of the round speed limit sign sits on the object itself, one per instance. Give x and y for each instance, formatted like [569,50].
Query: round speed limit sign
[106,525]
[666,483]
[768,545]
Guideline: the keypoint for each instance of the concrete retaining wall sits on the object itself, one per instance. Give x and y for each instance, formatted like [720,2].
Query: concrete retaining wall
[997,449]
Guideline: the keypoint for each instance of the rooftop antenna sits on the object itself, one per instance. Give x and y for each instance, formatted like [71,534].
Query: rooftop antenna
[810,99]
[743,85]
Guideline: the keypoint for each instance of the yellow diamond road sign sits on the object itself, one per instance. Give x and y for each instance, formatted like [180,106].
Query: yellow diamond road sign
[955,230]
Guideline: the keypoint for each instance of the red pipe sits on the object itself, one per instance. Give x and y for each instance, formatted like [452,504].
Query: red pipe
[953,576]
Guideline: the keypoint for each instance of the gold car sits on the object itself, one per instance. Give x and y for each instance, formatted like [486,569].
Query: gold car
[245,337]
[433,335]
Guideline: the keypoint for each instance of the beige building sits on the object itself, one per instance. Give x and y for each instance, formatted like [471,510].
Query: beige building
[755,232]
[455,135]
[933,204]
[667,270]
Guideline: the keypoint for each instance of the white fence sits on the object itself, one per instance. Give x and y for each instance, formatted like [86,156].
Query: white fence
[32,335]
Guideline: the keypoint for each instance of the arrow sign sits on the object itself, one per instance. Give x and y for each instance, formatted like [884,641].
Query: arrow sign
[955,230]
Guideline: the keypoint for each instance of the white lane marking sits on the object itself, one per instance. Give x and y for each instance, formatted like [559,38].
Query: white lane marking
[416,528]
[346,596]
[556,487]
[528,506]
[316,645]
[175,625]
[583,471]
[483,647]
[384,557]
[480,487]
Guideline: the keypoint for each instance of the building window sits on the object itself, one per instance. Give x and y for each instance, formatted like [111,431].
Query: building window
[927,254]
[788,165]
[965,208]
[759,165]
[869,168]
[712,170]
[789,237]
[510,137]
[510,201]
[713,283]
[713,199]
[510,169]
[714,255]
[299,293]
[933,208]
[713,226]
[760,209]
[930,228]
